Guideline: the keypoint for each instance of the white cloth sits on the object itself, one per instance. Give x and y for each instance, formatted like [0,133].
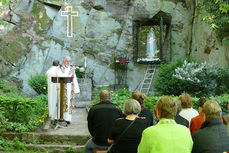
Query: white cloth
[70,89]
[53,88]
[188,113]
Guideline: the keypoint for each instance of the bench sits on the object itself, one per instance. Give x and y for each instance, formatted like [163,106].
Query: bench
[99,151]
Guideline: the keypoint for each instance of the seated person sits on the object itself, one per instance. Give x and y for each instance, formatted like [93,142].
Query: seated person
[179,119]
[100,120]
[219,102]
[226,119]
[126,132]
[166,136]
[197,121]
[145,112]
[187,111]
[212,136]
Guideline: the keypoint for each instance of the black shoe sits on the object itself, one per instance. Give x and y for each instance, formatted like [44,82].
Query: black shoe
[68,122]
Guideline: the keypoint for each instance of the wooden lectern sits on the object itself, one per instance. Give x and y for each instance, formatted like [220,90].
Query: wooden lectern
[62,81]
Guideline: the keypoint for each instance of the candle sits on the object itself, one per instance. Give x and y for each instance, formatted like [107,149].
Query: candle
[85,61]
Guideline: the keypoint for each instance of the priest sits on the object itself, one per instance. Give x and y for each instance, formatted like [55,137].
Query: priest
[53,93]
[69,89]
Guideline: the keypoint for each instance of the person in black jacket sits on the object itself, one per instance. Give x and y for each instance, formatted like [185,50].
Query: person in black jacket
[145,112]
[212,136]
[100,120]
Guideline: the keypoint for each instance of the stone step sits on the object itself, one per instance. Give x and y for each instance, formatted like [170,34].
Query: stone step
[50,148]
[46,138]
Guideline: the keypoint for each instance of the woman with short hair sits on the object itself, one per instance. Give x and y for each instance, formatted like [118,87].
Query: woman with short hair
[187,111]
[145,112]
[126,132]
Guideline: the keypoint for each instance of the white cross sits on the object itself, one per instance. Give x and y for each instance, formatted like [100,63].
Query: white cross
[69,13]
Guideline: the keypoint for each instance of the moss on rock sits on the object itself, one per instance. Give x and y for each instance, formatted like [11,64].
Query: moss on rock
[41,18]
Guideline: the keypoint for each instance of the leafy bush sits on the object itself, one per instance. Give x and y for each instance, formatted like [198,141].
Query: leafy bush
[2,122]
[4,88]
[39,83]
[197,79]
[22,112]
[165,82]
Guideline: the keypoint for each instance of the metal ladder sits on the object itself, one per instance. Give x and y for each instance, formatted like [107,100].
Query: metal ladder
[148,78]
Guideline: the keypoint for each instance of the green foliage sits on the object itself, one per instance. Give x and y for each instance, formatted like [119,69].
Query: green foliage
[39,83]
[4,88]
[165,82]
[70,150]
[197,79]
[223,98]
[2,122]
[223,82]
[22,113]
[18,145]
[118,97]
[79,74]
[218,17]
[15,146]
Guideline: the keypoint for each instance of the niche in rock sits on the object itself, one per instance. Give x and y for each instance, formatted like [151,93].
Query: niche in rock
[152,38]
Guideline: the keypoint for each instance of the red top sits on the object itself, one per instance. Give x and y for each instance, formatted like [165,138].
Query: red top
[196,123]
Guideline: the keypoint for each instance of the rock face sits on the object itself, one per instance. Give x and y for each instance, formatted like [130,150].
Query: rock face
[102,30]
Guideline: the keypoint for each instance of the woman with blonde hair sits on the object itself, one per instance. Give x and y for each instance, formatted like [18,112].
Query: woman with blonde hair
[145,112]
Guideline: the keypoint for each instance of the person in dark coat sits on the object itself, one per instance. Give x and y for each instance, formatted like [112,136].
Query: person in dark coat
[100,120]
[179,119]
[145,112]
[212,136]
[126,132]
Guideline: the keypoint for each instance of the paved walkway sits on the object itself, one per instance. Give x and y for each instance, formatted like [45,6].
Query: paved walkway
[78,125]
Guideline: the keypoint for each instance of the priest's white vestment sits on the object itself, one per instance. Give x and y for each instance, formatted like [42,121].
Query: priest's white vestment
[53,92]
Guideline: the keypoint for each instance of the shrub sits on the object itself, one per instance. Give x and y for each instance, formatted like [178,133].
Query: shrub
[4,88]
[39,83]
[197,79]
[165,82]
[22,112]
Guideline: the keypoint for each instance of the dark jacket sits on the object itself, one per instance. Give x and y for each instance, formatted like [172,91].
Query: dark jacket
[100,120]
[182,121]
[145,112]
[211,138]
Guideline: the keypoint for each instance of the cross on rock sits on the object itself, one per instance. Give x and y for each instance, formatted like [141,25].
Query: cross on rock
[69,14]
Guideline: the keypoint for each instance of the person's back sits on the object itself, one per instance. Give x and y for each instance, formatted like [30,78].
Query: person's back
[197,121]
[145,112]
[166,136]
[213,136]
[182,121]
[100,119]
[187,111]
[179,119]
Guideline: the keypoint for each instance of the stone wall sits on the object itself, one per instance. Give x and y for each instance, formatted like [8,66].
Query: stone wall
[103,29]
